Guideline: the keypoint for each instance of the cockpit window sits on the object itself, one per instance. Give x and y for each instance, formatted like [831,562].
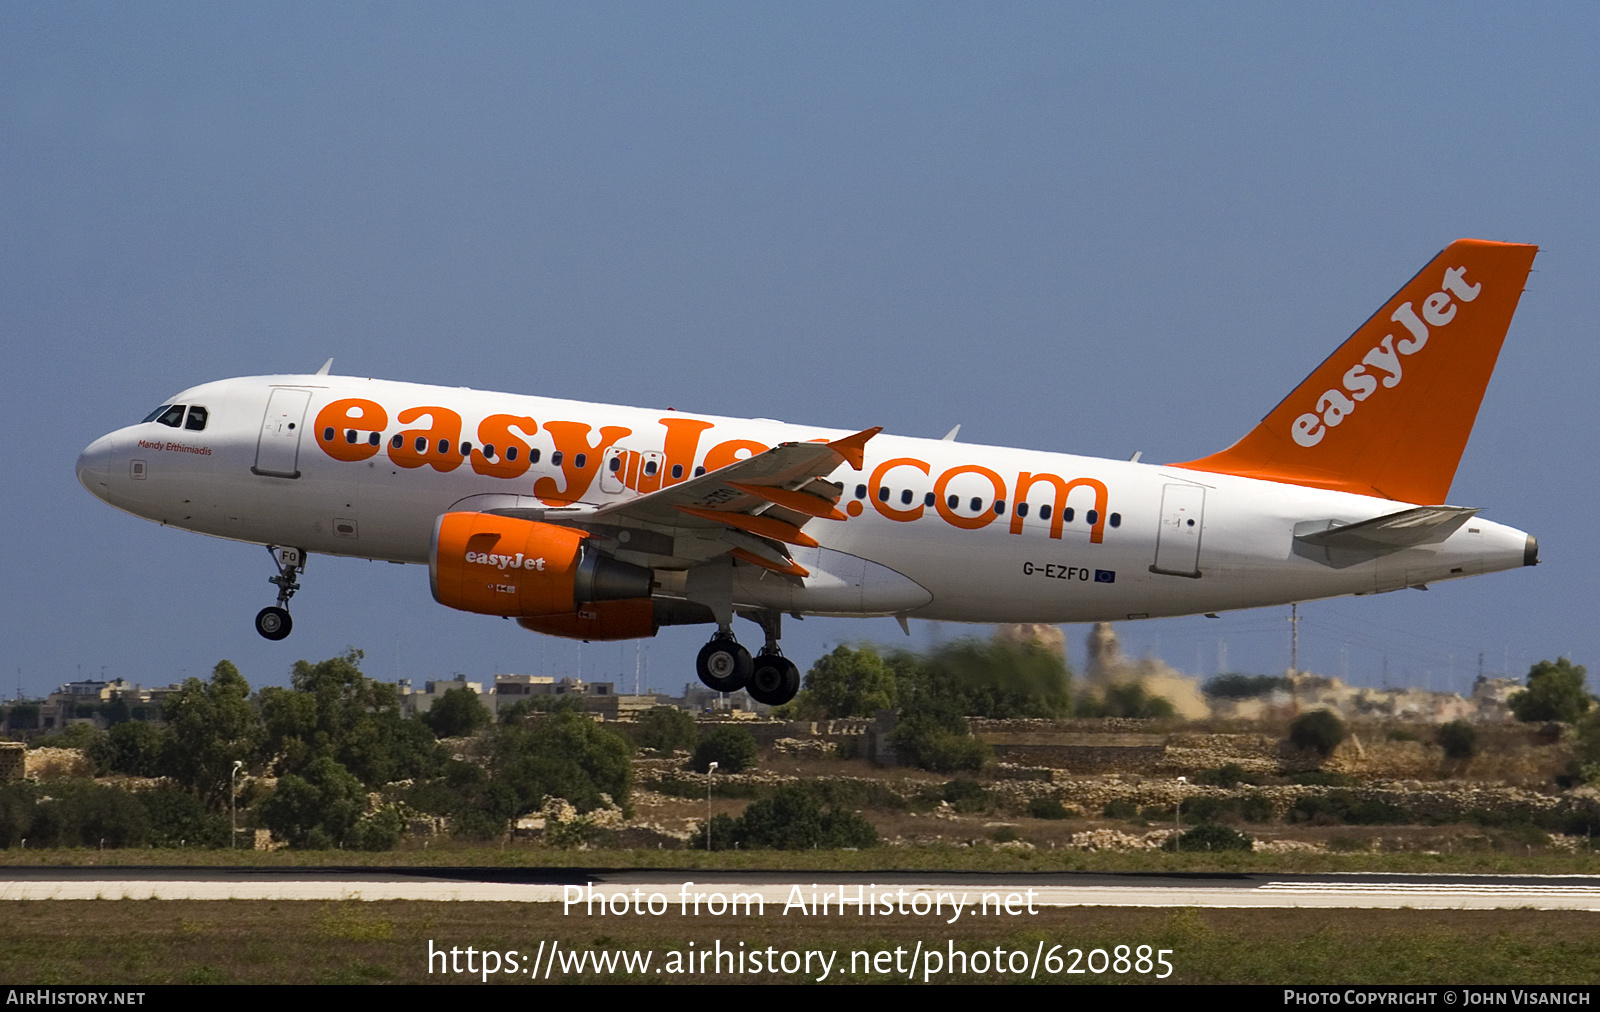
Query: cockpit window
[196,419]
[157,413]
[173,416]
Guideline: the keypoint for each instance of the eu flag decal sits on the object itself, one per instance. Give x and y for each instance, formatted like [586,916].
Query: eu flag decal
[1105,576]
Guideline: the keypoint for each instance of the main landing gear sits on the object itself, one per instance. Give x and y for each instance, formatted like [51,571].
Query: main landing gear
[770,678]
[274,623]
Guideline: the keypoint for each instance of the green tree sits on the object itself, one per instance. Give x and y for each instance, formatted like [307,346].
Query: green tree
[1555,692]
[457,714]
[1319,731]
[335,711]
[847,683]
[212,724]
[134,748]
[1129,700]
[316,810]
[732,748]
[667,729]
[984,678]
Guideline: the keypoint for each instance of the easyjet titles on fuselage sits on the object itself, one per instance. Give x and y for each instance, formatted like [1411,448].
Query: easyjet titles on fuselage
[353,429]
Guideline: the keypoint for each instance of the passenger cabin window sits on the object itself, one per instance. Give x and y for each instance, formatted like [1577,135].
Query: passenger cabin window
[1115,519]
[196,420]
[1022,509]
[927,500]
[615,465]
[861,491]
[555,459]
[677,470]
[511,454]
[649,467]
[905,497]
[173,416]
[1044,511]
[157,413]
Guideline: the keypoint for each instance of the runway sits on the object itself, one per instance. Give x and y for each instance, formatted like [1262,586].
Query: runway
[1060,889]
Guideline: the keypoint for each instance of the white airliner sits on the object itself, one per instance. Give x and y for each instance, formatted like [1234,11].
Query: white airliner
[600,522]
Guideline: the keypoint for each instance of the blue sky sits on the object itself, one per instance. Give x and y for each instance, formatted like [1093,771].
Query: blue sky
[1095,229]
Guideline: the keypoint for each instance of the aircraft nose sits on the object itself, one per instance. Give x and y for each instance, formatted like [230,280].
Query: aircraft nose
[94,466]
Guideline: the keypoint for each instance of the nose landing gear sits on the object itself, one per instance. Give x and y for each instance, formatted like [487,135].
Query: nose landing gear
[274,623]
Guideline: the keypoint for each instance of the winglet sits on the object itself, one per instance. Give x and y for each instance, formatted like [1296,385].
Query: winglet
[853,448]
[1388,414]
[325,367]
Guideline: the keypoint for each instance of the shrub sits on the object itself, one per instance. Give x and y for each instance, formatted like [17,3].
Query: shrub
[937,743]
[792,819]
[1048,808]
[1229,775]
[179,819]
[1236,686]
[1459,739]
[1322,778]
[1120,809]
[84,814]
[17,804]
[1210,836]
[1319,731]
[1255,809]
[1003,834]
[732,748]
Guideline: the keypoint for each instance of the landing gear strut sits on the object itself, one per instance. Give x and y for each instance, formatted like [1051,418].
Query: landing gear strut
[274,623]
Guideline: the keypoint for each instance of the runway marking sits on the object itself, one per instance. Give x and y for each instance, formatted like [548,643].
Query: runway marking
[1371,895]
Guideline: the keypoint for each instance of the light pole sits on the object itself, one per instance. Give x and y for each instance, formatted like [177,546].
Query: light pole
[233,803]
[709,770]
[1177,815]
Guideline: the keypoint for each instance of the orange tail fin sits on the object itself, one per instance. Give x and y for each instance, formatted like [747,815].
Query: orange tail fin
[1388,414]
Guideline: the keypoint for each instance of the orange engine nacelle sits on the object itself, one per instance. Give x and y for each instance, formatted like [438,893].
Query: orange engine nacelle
[600,620]
[497,565]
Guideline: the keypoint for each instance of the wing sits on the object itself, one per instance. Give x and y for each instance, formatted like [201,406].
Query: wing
[752,509]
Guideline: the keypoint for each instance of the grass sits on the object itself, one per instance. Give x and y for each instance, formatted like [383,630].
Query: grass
[932,857]
[132,942]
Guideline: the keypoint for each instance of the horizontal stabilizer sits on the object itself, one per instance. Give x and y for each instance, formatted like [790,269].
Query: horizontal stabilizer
[1339,544]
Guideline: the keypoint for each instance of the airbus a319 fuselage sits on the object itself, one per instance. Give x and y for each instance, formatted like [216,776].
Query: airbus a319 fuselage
[601,521]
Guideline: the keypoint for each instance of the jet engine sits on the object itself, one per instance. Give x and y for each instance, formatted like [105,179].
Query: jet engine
[599,620]
[495,565]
